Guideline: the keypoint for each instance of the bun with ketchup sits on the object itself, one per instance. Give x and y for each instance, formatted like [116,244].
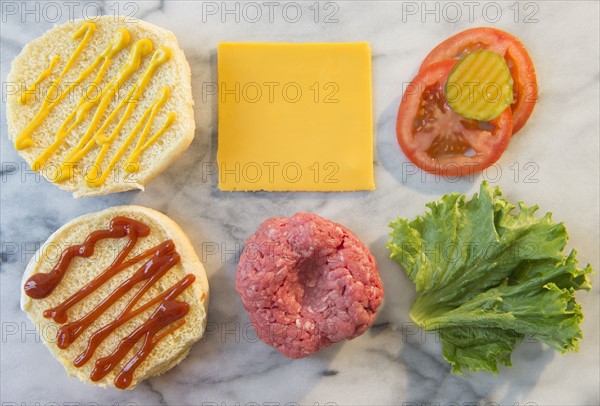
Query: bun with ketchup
[118,295]
[101,106]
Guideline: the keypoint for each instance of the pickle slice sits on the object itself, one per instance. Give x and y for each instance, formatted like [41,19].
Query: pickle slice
[480,86]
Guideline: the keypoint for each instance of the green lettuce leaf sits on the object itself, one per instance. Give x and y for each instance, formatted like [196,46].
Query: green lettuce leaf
[488,274]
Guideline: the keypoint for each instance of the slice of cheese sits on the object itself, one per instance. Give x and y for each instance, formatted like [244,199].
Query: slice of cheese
[295,117]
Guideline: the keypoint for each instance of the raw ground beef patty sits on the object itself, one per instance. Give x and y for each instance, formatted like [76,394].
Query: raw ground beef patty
[307,282]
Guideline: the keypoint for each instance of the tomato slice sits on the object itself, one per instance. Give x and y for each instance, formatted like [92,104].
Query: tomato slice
[519,63]
[440,141]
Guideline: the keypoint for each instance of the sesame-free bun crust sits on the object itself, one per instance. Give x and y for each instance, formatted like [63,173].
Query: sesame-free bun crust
[172,348]
[175,73]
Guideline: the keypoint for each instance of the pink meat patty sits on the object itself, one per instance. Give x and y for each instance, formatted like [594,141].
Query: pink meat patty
[307,282]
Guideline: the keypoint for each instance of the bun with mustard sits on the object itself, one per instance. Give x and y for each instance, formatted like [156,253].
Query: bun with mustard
[101,106]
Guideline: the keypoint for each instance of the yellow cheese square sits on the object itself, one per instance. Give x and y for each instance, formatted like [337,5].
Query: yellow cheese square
[295,117]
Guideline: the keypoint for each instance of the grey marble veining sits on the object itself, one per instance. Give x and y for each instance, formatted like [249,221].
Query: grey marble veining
[391,363]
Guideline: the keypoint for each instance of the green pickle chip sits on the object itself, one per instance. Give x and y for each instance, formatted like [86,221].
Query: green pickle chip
[480,86]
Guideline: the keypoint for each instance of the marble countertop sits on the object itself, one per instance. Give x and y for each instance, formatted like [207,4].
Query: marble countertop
[552,162]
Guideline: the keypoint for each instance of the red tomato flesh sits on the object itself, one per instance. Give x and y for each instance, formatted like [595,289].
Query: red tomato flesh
[440,141]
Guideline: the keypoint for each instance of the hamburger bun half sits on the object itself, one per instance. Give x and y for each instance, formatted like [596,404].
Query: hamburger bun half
[101,106]
[90,261]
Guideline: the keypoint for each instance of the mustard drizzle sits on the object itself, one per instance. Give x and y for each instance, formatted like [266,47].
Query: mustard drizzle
[79,113]
[139,49]
[23,139]
[88,141]
[91,137]
[130,164]
[95,180]
[28,94]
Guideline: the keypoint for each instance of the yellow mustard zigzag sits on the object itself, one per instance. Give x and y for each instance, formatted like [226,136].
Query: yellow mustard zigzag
[94,134]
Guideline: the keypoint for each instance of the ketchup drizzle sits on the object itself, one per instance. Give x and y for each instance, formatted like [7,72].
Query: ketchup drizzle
[166,318]
[41,285]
